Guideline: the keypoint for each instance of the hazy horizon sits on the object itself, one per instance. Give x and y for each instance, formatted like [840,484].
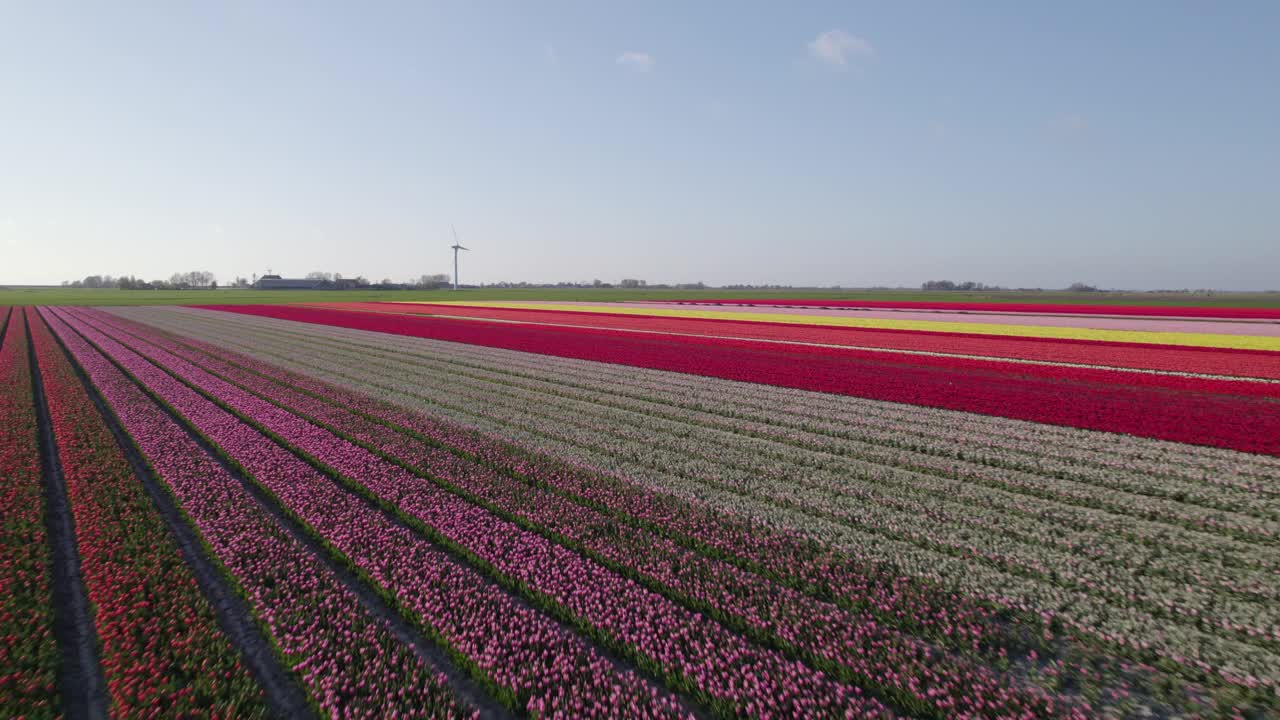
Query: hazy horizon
[1130,146]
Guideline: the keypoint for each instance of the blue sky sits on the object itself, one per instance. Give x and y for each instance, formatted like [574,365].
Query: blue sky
[1132,144]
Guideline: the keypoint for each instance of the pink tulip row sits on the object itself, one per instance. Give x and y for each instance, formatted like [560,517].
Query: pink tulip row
[526,658]
[847,643]
[28,651]
[347,660]
[694,653]
[161,649]
[833,637]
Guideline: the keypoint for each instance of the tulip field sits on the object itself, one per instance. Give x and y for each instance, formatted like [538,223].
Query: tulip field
[708,509]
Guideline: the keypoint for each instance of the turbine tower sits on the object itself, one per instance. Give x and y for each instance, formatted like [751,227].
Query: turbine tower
[456,247]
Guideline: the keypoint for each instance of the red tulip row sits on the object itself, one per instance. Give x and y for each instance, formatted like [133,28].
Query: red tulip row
[1041,308]
[1167,358]
[348,660]
[28,650]
[1198,411]
[846,643]
[161,648]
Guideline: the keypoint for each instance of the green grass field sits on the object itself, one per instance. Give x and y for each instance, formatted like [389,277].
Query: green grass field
[68,296]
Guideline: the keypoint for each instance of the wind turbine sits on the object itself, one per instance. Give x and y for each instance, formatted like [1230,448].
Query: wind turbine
[456,247]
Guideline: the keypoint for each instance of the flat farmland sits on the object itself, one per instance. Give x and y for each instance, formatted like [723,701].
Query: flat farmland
[666,507]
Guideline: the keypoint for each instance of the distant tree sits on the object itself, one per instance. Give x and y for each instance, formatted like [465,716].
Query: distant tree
[322,276]
[1081,287]
[432,282]
[213,284]
[631,283]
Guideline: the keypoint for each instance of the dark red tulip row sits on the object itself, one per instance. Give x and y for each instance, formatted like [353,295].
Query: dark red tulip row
[1190,410]
[348,660]
[28,650]
[161,648]
[1041,308]
[845,642]
[1164,358]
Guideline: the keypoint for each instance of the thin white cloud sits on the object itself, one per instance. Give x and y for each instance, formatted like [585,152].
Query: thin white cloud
[1069,125]
[549,52]
[840,47]
[638,61]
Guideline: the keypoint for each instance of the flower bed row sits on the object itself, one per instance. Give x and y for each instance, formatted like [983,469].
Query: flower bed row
[347,660]
[162,650]
[695,654]
[1057,308]
[1145,331]
[28,650]
[1209,361]
[1091,399]
[836,639]
[5,312]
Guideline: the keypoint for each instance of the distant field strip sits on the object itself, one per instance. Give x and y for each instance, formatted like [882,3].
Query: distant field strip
[1241,416]
[1211,362]
[1213,326]
[1077,308]
[1145,337]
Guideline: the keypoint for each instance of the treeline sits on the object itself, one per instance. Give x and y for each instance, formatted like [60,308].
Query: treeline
[966,286]
[196,279]
[628,283]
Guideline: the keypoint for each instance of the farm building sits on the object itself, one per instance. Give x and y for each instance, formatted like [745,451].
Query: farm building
[275,282]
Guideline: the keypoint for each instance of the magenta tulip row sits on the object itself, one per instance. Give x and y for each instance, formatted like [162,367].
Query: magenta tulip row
[348,660]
